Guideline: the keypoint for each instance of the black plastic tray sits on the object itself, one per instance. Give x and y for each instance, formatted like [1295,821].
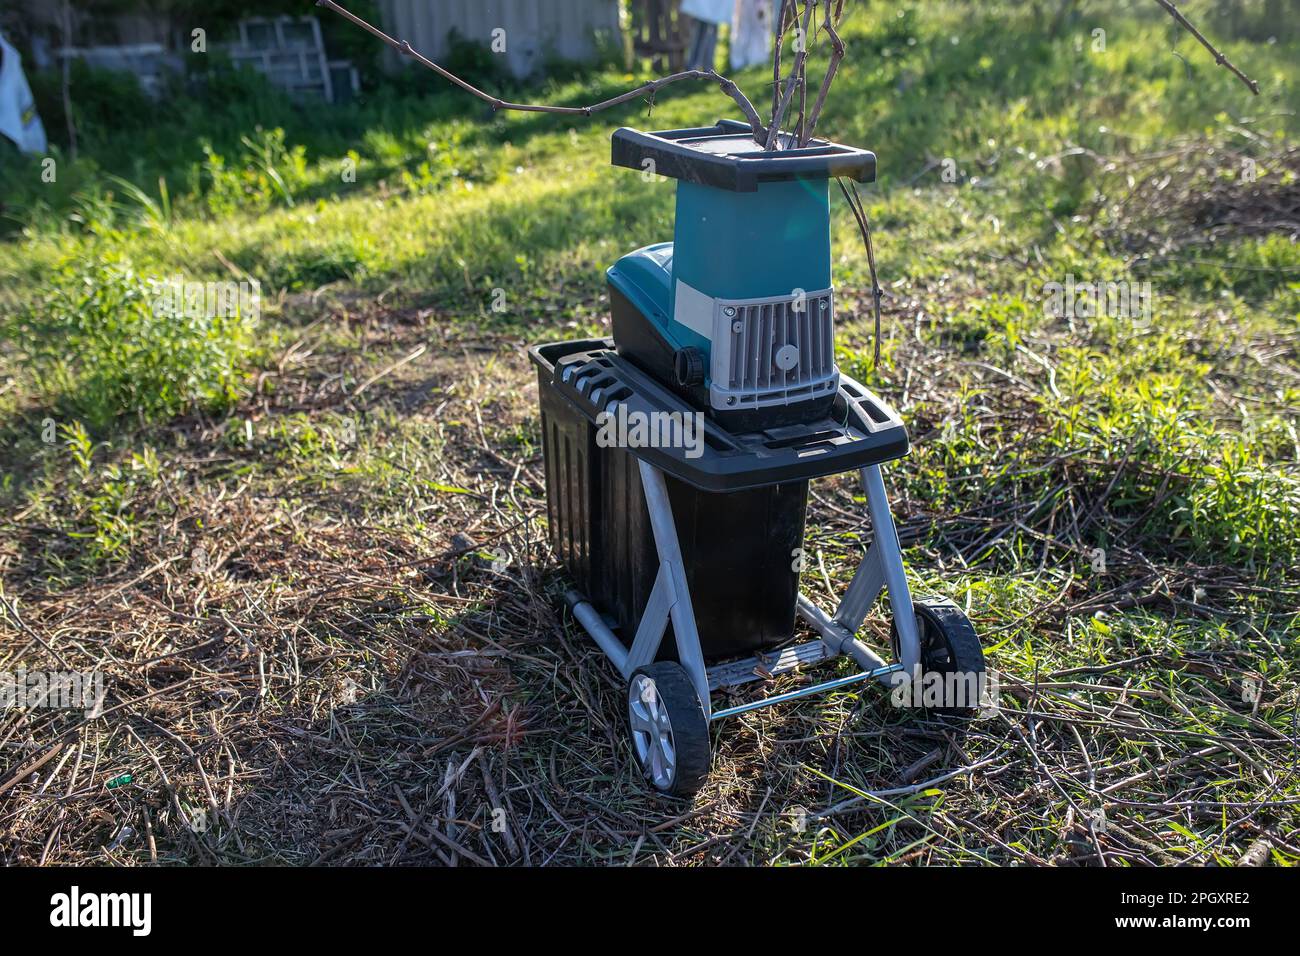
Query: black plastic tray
[726,156]
[861,429]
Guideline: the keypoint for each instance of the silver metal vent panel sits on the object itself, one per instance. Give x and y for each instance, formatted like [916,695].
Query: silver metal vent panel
[773,351]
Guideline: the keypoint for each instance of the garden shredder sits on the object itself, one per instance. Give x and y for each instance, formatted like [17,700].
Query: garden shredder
[686,560]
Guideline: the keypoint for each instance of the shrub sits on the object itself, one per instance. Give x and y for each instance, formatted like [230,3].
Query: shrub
[104,343]
[268,172]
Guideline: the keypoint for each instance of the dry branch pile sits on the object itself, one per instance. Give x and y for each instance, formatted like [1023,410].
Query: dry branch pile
[1197,194]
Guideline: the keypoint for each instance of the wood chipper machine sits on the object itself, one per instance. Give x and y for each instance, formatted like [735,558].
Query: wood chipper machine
[685,556]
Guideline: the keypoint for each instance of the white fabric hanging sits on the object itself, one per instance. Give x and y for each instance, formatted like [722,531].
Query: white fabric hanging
[751,33]
[710,11]
[18,119]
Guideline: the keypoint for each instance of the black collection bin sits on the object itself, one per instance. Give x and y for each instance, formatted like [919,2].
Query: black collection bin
[740,547]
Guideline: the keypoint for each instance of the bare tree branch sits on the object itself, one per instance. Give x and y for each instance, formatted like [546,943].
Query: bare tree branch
[803,86]
[1219,58]
[783,16]
[783,91]
[404,48]
[837,54]
[774,128]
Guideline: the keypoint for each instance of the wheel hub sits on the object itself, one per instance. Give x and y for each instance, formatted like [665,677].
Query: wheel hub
[652,731]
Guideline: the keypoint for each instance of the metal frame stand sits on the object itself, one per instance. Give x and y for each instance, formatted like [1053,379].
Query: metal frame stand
[670,599]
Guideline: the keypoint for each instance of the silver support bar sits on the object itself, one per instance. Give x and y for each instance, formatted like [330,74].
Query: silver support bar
[689,652]
[595,625]
[670,599]
[837,638]
[829,685]
[868,580]
[885,544]
[654,621]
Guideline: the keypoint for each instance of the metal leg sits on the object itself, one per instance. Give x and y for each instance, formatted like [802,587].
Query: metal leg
[841,682]
[594,624]
[837,637]
[890,557]
[673,572]
[862,591]
[670,599]
[654,621]
[881,569]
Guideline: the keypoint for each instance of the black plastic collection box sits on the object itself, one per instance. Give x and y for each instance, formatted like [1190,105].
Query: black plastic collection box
[739,508]
[738,548]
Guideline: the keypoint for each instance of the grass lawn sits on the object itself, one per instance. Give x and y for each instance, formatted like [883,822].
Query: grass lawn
[307,545]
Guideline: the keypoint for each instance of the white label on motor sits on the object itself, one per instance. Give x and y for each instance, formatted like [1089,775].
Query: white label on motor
[693,309]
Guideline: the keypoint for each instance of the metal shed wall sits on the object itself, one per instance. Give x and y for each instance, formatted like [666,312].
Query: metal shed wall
[535,29]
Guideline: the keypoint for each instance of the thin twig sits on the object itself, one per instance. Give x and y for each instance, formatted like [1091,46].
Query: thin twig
[837,54]
[783,17]
[803,96]
[651,87]
[860,214]
[1219,58]
[774,128]
[12,611]
[907,791]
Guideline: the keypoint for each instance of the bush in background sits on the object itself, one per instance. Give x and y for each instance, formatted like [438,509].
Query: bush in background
[104,344]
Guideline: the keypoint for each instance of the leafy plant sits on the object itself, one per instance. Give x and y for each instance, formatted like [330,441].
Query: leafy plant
[268,172]
[105,342]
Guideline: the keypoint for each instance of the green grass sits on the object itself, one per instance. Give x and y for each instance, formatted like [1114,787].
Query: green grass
[1168,446]
[106,343]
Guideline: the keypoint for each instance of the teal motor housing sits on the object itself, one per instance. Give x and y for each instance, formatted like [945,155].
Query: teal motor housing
[737,312]
[737,245]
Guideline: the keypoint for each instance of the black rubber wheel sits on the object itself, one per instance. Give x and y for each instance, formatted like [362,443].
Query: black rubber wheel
[949,645]
[670,736]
